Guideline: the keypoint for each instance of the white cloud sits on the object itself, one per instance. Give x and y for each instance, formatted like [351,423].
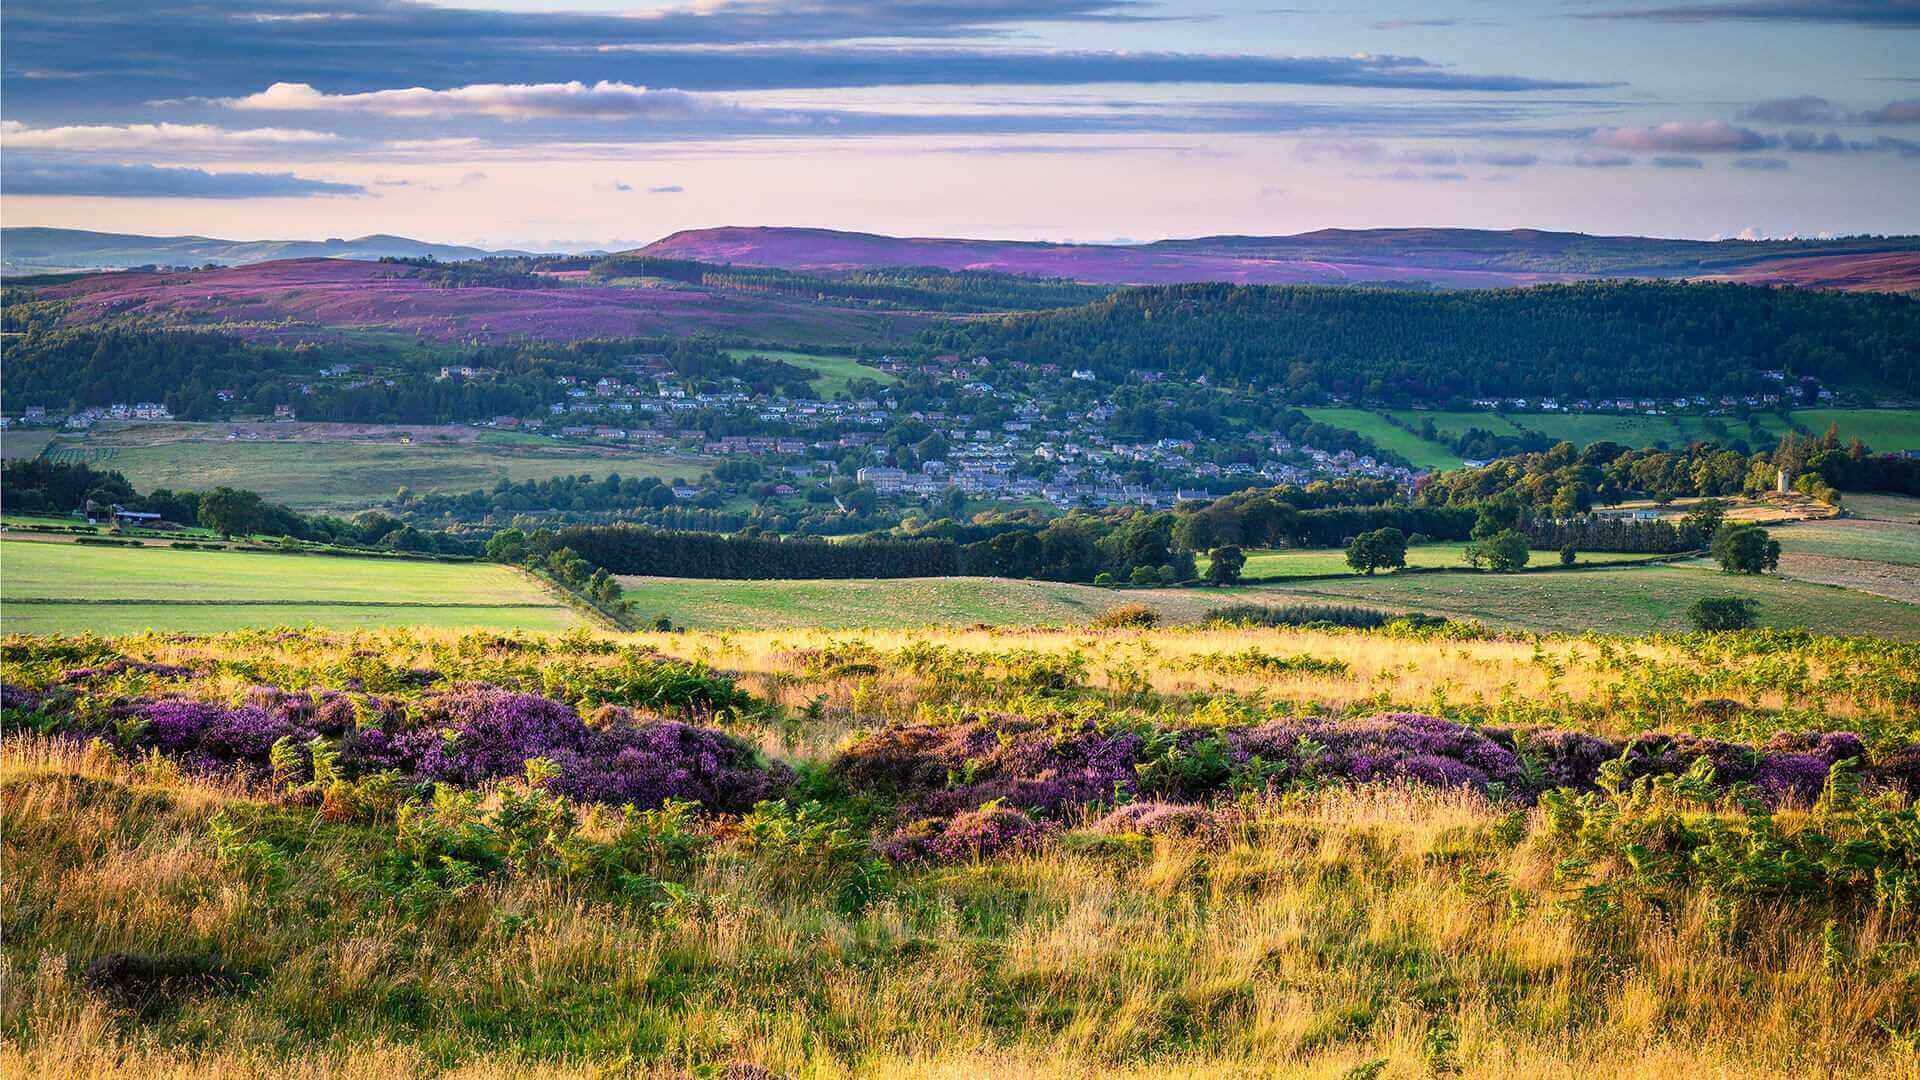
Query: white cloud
[18,136]
[508,101]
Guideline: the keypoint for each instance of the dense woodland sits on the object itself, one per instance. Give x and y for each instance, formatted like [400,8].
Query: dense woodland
[1585,340]
[908,288]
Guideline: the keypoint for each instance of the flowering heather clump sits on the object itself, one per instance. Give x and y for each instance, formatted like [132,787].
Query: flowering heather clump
[647,764]
[1162,819]
[209,735]
[469,735]
[18,700]
[1391,746]
[122,666]
[1560,758]
[980,833]
[946,769]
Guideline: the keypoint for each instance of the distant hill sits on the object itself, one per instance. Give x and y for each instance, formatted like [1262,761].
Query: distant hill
[38,250]
[1446,257]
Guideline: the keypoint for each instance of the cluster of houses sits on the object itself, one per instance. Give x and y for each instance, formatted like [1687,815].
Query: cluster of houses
[38,416]
[1802,391]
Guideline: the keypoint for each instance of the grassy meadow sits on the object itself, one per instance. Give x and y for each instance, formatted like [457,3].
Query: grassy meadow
[344,473]
[308,922]
[57,587]
[832,374]
[1297,562]
[1883,429]
[1627,600]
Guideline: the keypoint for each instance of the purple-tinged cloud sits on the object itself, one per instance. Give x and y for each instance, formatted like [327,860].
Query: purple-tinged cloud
[1810,142]
[1806,109]
[1686,136]
[1896,112]
[1669,161]
[1762,164]
[666,189]
[1599,161]
[1508,159]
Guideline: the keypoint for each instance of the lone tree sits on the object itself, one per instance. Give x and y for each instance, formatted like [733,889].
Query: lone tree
[1381,549]
[1504,551]
[227,511]
[1715,613]
[1746,549]
[1226,564]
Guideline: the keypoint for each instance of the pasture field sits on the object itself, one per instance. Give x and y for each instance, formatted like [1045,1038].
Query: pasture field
[24,443]
[1875,507]
[1621,600]
[344,474]
[897,602]
[1291,562]
[62,587]
[832,374]
[1884,430]
[1202,853]
[1874,556]
[1423,454]
[1852,538]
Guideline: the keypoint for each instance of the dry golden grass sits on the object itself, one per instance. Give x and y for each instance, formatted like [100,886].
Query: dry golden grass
[1328,933]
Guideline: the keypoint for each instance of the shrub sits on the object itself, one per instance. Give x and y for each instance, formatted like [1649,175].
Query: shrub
[1127,617]
[1717,613]
[1745,549]
[1144,575]
[1381,549]
[1226,564]
[1568,556]
[1502,552]
[1357,618]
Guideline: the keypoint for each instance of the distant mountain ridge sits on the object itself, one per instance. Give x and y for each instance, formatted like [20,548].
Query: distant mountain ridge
[1446,257]
[37,250]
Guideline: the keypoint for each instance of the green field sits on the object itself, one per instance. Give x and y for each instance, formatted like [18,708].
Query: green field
[706,604]
[1286,562]
[343,475]
[1881,429]
[1423,454]
[832,374]
[1883,507]
[52,586]
[1885,430]
[1621,600]
[1848,538]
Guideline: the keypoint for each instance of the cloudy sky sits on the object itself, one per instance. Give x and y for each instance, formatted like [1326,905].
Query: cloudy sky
[549,123]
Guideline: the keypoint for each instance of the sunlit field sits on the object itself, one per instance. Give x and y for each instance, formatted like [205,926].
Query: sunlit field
[1031,852]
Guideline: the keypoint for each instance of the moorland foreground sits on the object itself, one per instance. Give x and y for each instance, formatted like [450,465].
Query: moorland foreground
[1203,850]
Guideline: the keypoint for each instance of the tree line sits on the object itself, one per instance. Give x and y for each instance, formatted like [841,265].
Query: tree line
[1582,340]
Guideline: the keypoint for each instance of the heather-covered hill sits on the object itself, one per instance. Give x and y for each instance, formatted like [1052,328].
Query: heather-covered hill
[1446,257]
[336,294]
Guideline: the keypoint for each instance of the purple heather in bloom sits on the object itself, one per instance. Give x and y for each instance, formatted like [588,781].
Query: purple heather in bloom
[1161,819]
[471,734]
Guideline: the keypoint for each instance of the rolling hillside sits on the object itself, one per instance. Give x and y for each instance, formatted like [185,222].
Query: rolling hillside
[36,250]
[1445,257]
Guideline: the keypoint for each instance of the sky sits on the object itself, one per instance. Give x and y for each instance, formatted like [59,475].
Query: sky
[579,124]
